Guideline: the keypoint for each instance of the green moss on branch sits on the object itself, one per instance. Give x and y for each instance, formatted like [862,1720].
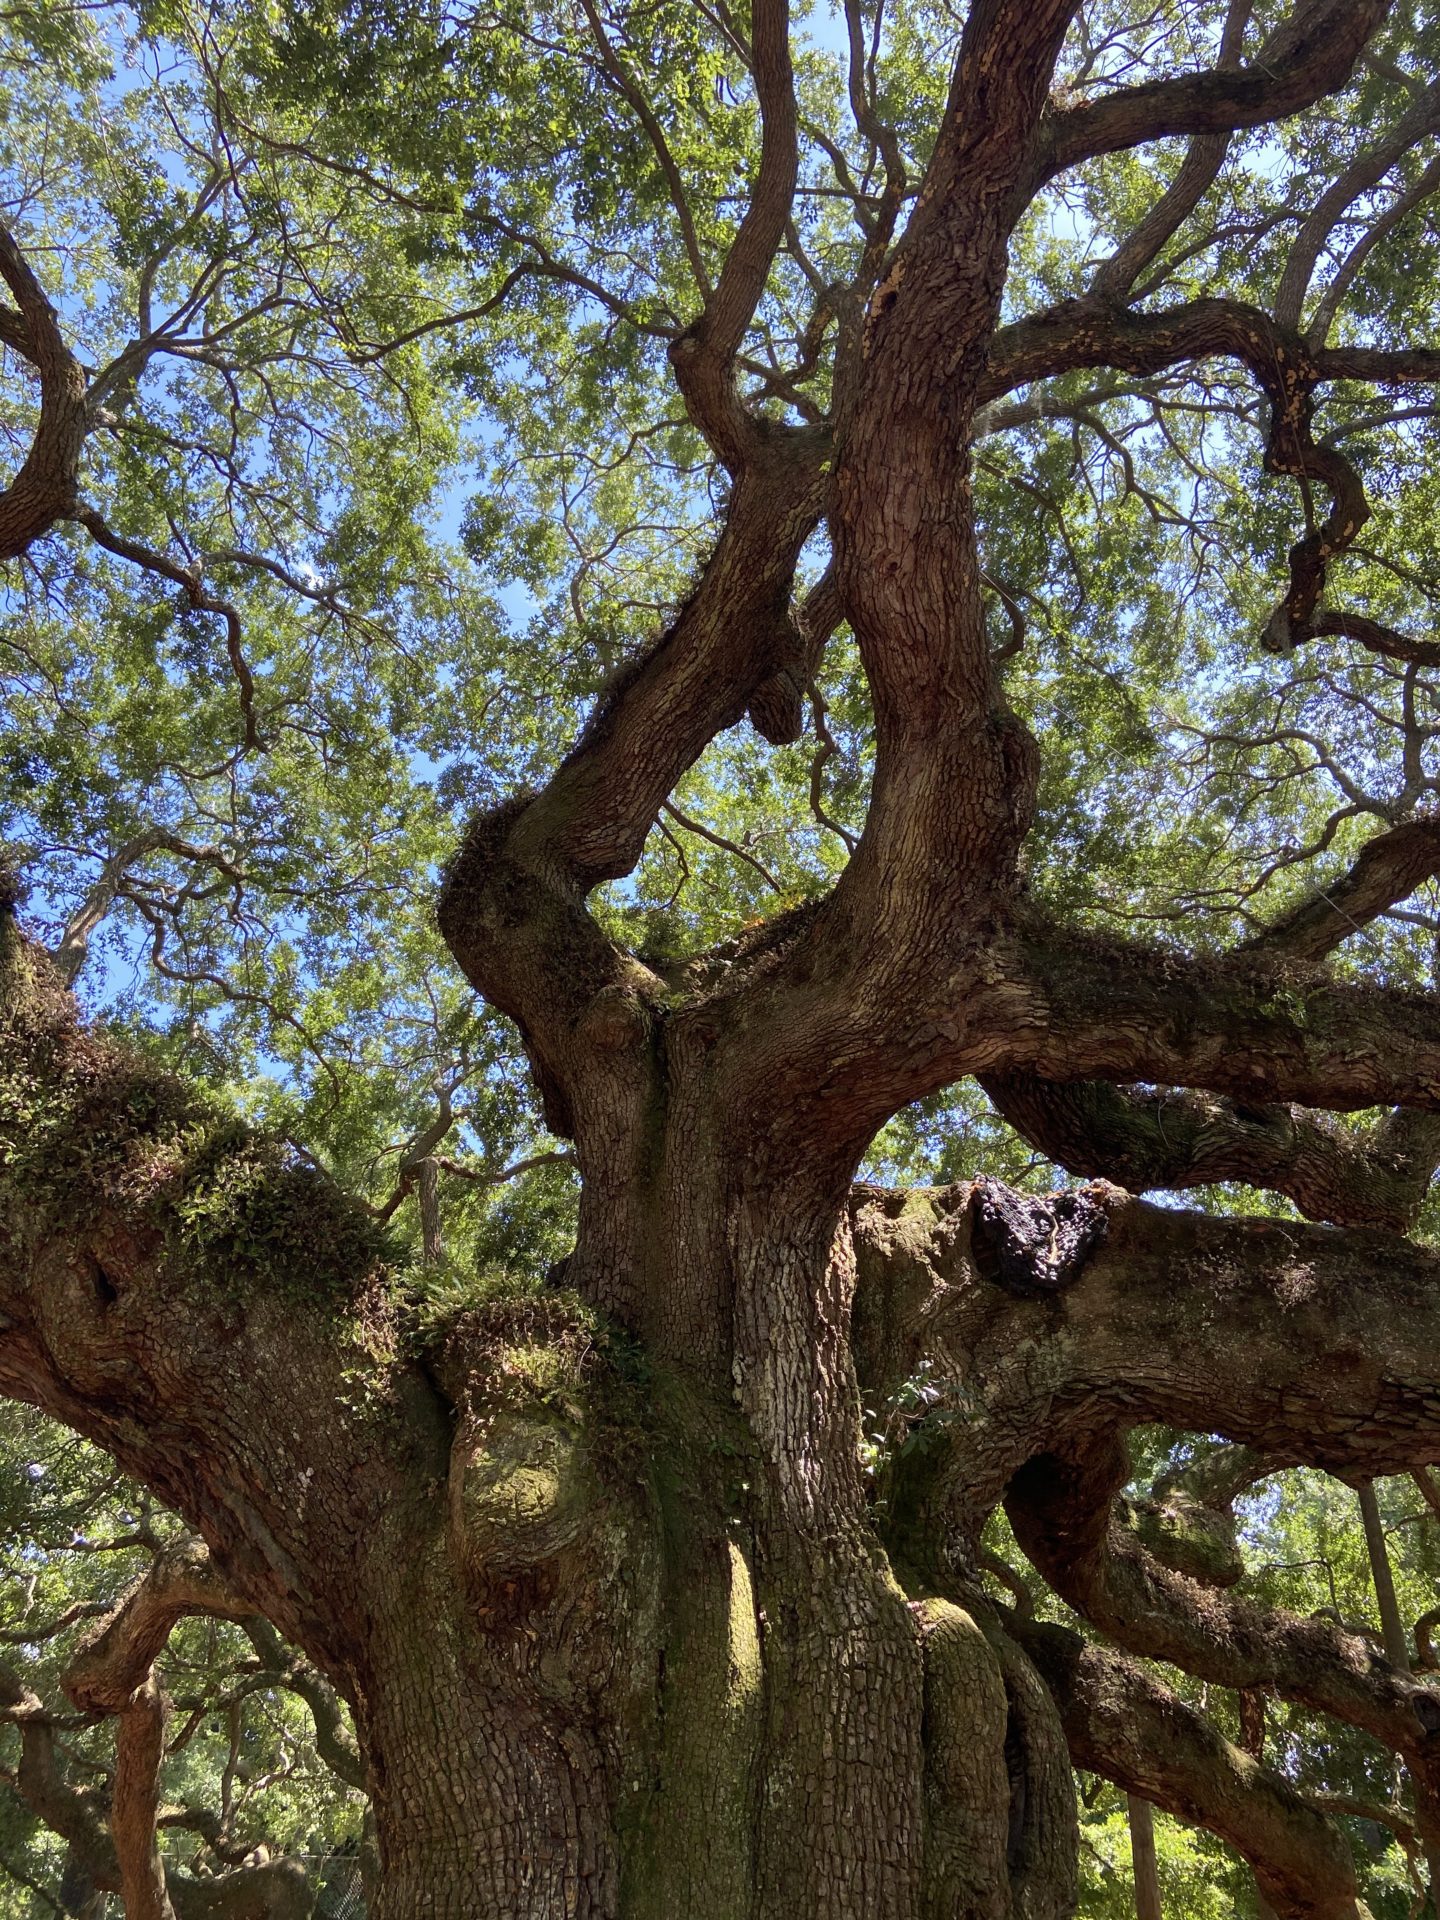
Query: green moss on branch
[91,1134]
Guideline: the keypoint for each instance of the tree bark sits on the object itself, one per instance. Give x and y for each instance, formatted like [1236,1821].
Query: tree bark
[1397,1651]
[633,1637]
[1142,1855]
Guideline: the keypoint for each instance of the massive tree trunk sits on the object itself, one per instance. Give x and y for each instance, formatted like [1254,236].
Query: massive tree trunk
[625,1629]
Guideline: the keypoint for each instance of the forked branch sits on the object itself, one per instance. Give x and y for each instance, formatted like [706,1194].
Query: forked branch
[1310,54]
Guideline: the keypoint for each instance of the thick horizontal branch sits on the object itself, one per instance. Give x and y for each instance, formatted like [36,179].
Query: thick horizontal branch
[1311,54]
[1303,1343]
[1381,366]
[1094,333]
[1179,1139]
[1308,1344]
[1124,1724]
[1373,635]
[1175,1139]
[1067,1006]
[1254,1028]
[1265,1028]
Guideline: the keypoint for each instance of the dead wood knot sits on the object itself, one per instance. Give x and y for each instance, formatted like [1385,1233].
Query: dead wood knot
[1031,1246]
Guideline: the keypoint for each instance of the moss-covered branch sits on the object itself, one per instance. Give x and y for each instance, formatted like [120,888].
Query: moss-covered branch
[211,1312]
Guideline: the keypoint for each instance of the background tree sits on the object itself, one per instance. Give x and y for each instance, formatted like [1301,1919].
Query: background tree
[257,1808]
[1023,420]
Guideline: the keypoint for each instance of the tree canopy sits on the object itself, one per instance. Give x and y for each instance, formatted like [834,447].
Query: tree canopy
[864,578]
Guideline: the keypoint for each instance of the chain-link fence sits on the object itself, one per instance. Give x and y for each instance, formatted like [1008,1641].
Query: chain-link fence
[339,1888]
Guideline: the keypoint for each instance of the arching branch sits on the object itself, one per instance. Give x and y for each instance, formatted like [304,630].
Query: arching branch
[1123,1724]
[1305,1344]
[1310,54]
[1061,1507]
[1083,333]
[334,1741]
[112,1664]
[43,491]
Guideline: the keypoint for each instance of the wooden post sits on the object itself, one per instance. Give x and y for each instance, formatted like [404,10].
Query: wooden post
[1142,1853]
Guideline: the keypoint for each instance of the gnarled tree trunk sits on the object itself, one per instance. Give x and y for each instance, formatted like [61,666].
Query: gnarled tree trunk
[624,1629]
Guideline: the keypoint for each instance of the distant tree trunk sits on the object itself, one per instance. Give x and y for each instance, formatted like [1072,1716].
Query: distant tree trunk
[1397,1646]
[432,1243]
[1142,1853]
[1392,1627]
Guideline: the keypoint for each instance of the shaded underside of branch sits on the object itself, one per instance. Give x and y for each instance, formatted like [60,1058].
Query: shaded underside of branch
[1124,1724]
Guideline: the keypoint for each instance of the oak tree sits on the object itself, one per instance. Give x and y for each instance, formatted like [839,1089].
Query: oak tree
[934,673]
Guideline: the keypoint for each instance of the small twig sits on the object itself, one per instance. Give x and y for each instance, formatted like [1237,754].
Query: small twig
[703,832]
